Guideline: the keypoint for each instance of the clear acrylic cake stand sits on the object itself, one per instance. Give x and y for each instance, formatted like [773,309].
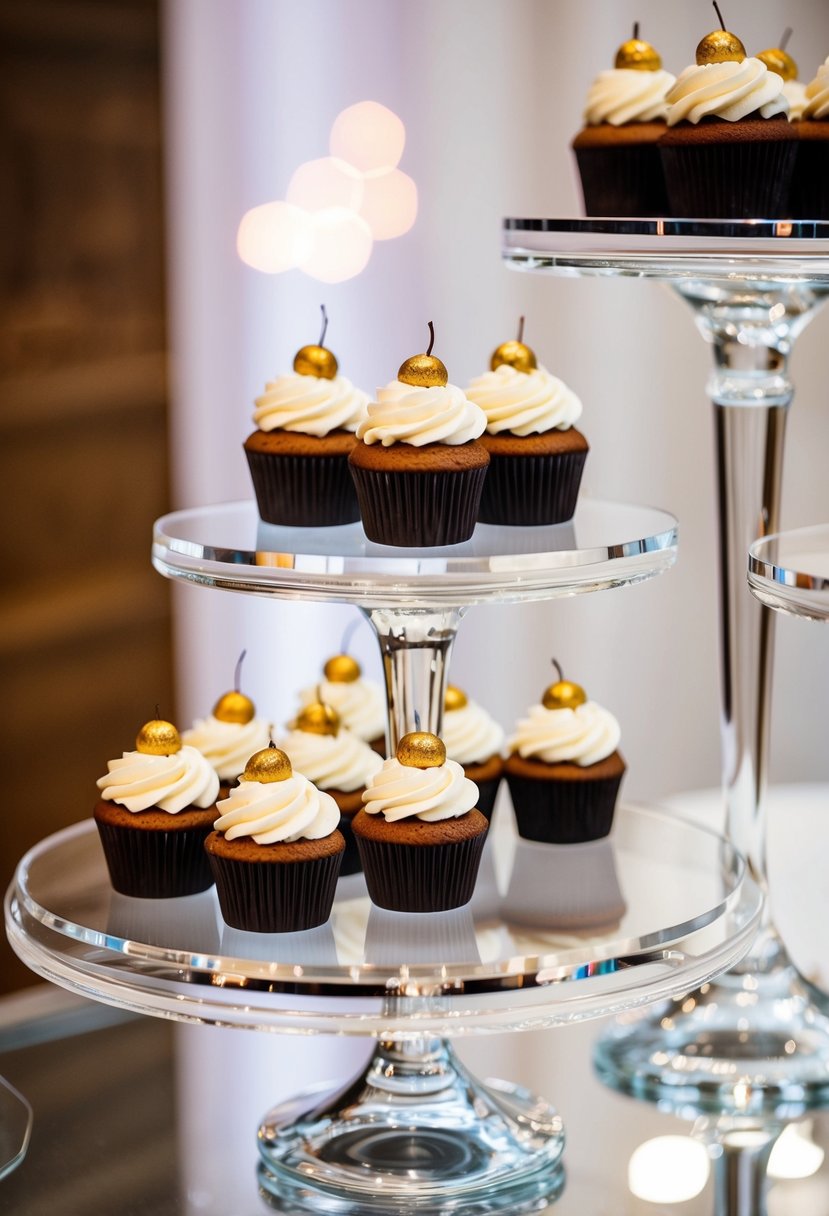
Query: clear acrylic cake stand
[551,935]
[754,1042]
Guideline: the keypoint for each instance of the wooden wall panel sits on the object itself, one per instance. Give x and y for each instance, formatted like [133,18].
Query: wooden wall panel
[84,621]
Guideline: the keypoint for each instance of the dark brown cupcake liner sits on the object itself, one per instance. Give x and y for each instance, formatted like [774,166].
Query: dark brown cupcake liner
[738,180]
[563,812]
[626,181]
[487,793]
[810,182]
[273,896]
[351,857]
[421,878]
[303,491]
[151,864]
[531,491]
[420,508]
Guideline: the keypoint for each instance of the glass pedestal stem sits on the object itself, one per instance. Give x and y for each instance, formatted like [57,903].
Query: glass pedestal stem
[740,1157]
[415,644]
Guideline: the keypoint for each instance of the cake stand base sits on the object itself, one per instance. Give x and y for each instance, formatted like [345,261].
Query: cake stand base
[746,1045]
[415,1133]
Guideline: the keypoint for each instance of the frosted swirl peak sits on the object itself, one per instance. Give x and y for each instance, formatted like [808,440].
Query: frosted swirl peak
[405,413]
[174,783]
[277,812]
[525,403]
[470,735]
[728,90]
[582,736]
[623,95]
[227,745]
[399,792]
[310,405]
[332,762]
[817,95]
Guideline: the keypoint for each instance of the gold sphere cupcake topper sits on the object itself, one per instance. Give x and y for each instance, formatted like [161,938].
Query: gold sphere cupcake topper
[455,698]
[564,694]
[777,58]
[421,749]
[515,353]
[720,46]
[424,371]
[638,55]
[317,360]
[234,706]
[342,669]
[158,738]
[319,718]
[270,764]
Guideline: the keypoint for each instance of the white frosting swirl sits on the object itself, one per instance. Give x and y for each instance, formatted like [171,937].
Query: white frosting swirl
[795,93]
[311,405]
[729,90]
[524,403]
[360,704]
[817,95]
[622,95]
[272,812]
[470,735]
[227,745]
[332,762]
[170,783]
[404,413]
[400,792]
[582,736]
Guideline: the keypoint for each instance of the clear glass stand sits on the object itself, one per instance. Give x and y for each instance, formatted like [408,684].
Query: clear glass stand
[551,934]
[754,1040]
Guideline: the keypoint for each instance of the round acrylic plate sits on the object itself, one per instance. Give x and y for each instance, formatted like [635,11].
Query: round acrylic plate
[552,934]
[228,546]
[763,251]
[789,572]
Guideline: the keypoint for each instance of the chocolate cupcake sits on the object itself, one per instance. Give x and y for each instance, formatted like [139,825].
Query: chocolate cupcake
[298,454]
[360,703]
[419,834]
[418,468]
[474,739]
[729,150]
[321,748]
[617,152]
[564,770]
[229,735]
[810,186]
[276,851]
[156,808]
[536,455]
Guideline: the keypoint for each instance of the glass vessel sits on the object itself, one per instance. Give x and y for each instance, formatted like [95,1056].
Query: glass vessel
[753,1042]
[553,934]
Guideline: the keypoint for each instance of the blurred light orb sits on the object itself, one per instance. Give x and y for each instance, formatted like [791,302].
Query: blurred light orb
[275,237]
[668,1169]
[342,245]
[389,204]
[328,182]
[795,1155]
[368,136]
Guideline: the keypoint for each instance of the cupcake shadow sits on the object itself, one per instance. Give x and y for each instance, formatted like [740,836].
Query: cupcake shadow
[564,886]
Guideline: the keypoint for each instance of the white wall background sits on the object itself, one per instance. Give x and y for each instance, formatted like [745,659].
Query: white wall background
[491,92]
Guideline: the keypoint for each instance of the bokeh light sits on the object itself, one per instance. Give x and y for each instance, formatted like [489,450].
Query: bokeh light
[275,237]
[389,204]
[327,182]
[795,1155]
[342,245]
[368,136]
[668,1169]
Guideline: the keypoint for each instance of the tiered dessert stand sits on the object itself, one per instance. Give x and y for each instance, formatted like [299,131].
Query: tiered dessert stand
[753,286]
[552,934]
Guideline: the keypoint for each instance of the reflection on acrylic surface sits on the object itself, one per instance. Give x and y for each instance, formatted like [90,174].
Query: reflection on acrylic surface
[565,887]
